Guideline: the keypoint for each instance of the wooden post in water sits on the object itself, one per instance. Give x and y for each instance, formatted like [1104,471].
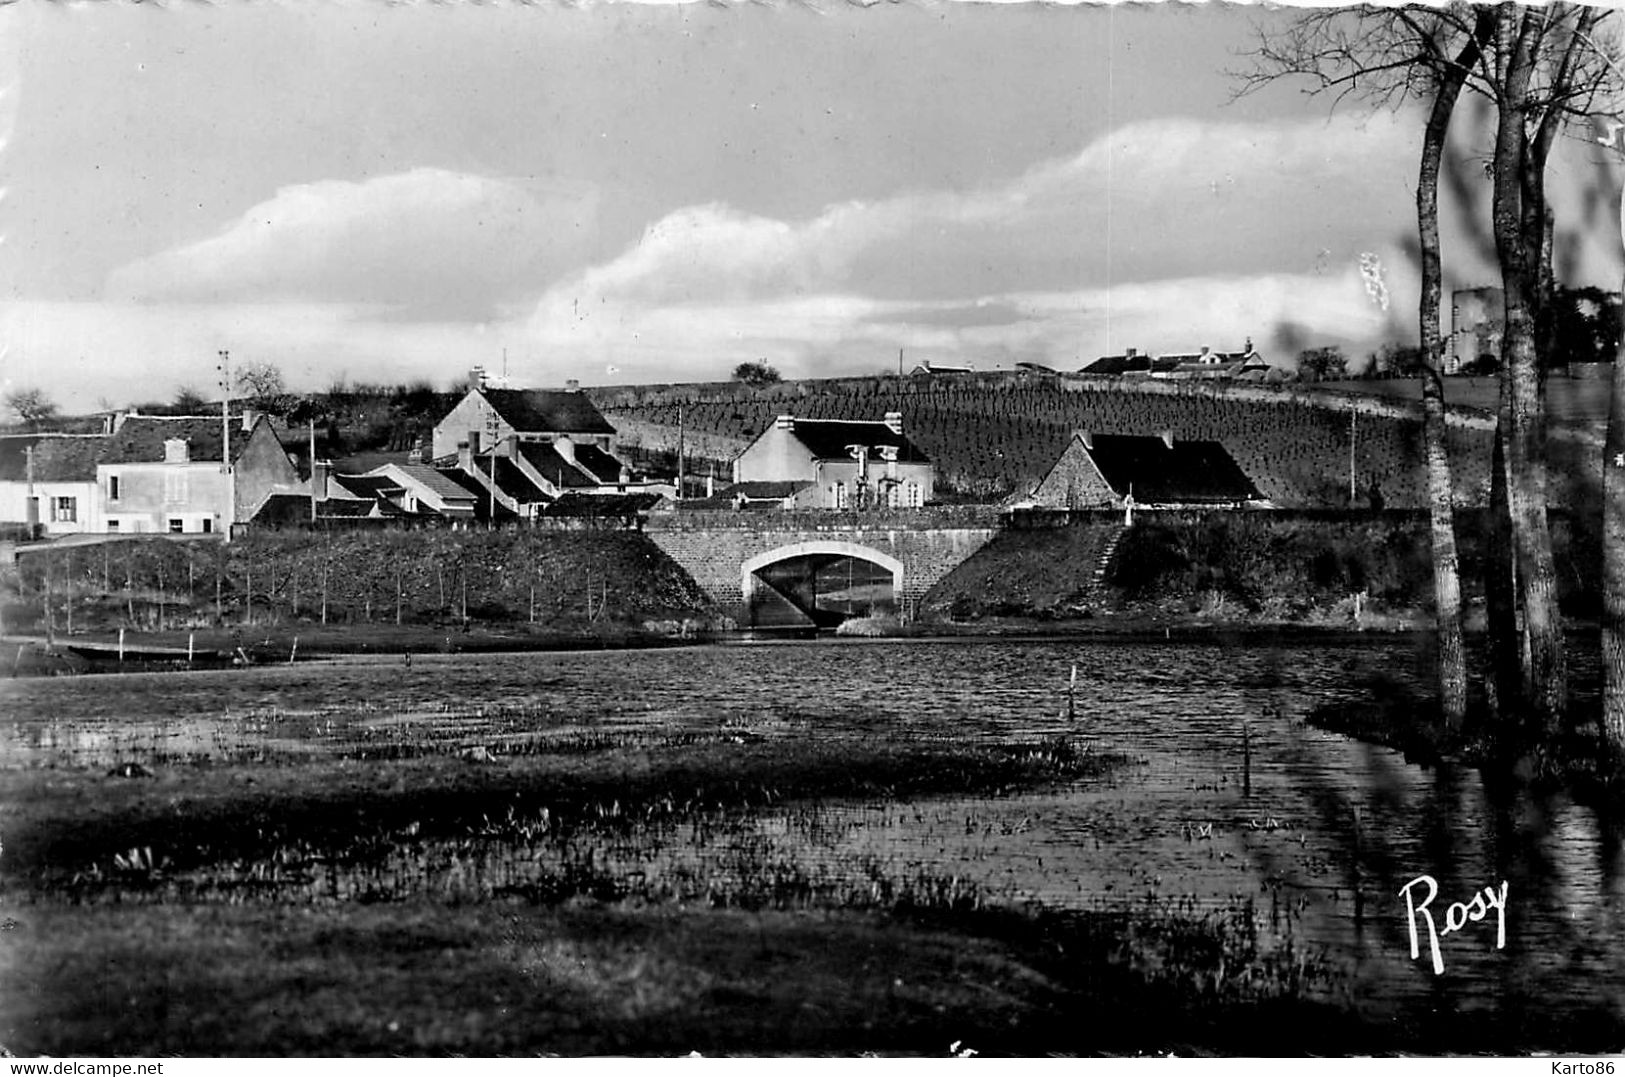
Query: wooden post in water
[1359,900]
[1072,695]
[191,639]
[121,645]
[1246,759]
[295,652]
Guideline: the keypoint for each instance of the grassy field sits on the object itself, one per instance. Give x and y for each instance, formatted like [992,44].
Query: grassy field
[609,894]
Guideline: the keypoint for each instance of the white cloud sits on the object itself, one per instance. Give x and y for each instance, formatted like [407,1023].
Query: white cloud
[425,240]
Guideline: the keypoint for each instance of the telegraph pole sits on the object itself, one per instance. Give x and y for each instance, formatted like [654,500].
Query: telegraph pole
[224,367]
[680,448]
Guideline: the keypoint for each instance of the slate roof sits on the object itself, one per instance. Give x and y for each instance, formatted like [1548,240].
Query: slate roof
[435,481]
[1118,364]
[598,463]
[591,505]
[1192,472]
[514,482]
[827,439]
[553,467]
[482,500]
[57,458]
[548,411]
[285,510]
[141,439]
[375,486]
[762,491]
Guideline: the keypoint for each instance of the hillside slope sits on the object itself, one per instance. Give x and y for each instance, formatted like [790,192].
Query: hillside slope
[994,437]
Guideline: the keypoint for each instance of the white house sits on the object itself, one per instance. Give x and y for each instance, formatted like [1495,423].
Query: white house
[845,464]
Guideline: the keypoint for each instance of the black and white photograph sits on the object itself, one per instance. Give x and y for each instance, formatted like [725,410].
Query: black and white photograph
[920,529]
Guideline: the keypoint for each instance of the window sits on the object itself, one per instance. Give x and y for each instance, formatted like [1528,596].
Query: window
[913,501]
[175,487]
[208,525]
[112,487]
[837,495]
[112,527]
[64,510]
[176,525]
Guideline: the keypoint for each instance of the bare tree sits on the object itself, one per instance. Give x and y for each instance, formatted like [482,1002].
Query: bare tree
[1537,68]
[1387,56]
[31,406]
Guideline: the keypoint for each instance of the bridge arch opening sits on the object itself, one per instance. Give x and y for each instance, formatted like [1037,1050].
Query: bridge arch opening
[821,582]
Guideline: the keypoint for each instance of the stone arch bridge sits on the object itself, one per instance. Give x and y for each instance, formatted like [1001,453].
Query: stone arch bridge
[819,567]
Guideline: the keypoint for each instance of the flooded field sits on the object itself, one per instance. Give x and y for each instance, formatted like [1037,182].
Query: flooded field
[1183,803]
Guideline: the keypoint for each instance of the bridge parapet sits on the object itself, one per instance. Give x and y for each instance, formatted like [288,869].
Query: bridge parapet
[924,519]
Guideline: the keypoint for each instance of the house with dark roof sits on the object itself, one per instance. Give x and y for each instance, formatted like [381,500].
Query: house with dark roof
[926,369]
[421,488]
[844,464]
[49,480]
[1132,361]
[526,448]
[1117,470]
[485,417]
[174,473]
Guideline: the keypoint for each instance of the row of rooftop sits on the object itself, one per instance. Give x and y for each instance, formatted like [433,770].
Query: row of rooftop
[506,455]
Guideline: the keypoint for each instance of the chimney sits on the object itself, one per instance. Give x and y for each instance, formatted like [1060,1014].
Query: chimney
[512,444]
[894,422]
[476,377]
[320,471]
[249,416]
[572,386]
[566,448]
[1129,353]
[784,422]
[1088,439]
[1168,438]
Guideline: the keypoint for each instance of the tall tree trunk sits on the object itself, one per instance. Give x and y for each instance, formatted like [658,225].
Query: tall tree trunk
[1545,671]
[1502,660]
[1613,560]
[1452,668]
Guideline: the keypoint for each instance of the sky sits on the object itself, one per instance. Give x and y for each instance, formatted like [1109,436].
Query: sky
[619,193]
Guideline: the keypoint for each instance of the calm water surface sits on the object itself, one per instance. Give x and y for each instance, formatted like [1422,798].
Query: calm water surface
[1320,840]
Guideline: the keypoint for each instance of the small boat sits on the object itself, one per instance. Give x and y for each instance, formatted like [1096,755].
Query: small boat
[110,652]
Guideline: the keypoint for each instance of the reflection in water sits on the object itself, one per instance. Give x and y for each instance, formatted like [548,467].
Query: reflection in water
[1232,797]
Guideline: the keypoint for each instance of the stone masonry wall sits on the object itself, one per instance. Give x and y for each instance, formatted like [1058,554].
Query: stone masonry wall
[714,556]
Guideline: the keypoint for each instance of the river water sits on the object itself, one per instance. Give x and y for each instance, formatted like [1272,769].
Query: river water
[1316,831]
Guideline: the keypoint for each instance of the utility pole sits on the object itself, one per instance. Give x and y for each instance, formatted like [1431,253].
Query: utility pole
[680,452]
[312,471]
[224,367]
[32,511]
[1353,417]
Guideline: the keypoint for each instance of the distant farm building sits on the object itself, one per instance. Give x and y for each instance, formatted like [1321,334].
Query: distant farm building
[928,369]
[1243,365]
[1114,470]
